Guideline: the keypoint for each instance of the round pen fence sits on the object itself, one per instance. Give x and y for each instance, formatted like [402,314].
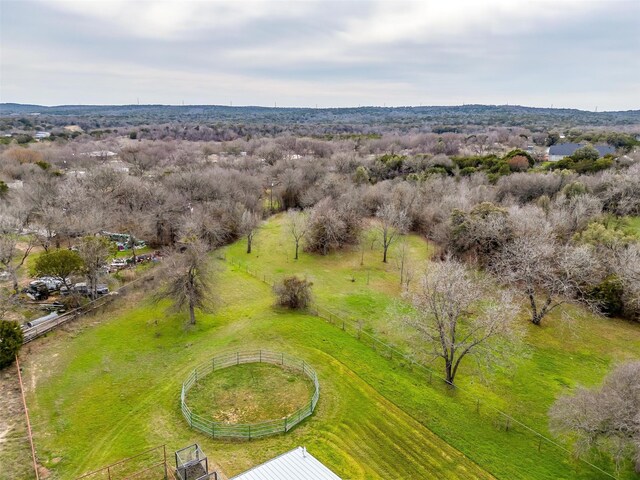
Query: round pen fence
[248,430]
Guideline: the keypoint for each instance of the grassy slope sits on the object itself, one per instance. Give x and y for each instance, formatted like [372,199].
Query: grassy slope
[113,389]
[573,347]
[116,385]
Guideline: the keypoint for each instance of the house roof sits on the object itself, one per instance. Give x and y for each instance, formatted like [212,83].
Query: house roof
[569,149]
[298,464]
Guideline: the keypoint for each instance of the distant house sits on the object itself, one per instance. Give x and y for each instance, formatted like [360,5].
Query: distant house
[561,150]
[298,464]
[41,135]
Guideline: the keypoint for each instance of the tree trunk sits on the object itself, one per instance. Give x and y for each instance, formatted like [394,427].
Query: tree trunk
[14,278]
[449,372]
[249,238]
[536,318]
[297,245]
[192,314]
[384,254]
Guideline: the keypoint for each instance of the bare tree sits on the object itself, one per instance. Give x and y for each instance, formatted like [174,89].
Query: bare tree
[297,226]
[190,280]
[604,419]
[12,258]
[94,251]
[626,265]
[392,222]
[543,268]
[248,224]
[404,264]
[456,315]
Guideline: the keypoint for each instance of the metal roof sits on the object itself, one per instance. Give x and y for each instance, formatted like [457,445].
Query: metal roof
[570,148]
[298,464]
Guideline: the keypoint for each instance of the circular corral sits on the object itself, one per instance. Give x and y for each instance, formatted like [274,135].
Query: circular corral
[217,429]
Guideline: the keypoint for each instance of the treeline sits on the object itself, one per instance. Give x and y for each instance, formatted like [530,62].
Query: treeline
[491,210]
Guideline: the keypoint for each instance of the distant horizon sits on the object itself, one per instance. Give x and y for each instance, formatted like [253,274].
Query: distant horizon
[313,107]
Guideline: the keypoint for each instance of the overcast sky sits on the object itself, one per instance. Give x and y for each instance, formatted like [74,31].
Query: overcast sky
[566,53]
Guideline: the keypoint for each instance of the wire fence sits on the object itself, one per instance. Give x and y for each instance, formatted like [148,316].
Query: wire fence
[30,334]
[248,430]
[499,419]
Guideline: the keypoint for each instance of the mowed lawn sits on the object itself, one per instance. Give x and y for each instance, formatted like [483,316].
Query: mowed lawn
[111,389]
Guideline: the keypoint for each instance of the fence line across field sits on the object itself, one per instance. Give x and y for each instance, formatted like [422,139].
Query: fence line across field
[32,333]
[248,430]
[354,327]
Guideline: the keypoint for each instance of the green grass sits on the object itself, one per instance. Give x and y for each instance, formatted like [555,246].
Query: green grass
[250,393]
[112,388]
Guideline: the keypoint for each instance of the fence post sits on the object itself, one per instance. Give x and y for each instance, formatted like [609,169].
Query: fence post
[237,358]
[260,356]
[166,473]
[507,425]
[343,325]
[539,444]
[109,472]
[282,362]
[213,364]
[249,432]
[213,430]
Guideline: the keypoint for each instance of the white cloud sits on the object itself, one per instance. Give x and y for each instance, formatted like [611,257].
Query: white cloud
[175,19]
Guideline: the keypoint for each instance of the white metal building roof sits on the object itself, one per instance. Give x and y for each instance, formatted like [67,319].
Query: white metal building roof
[298,464]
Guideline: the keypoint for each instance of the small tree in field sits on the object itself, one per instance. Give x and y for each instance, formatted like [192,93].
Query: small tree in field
[10,342]
[293,292]
[190,279]
[297,226]
[248,224]
[59,264]
[457,316]
[605,419]
[391,223]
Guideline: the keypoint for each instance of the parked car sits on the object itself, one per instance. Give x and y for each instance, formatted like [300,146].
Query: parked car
[83,289]
[52,283]
[118,263]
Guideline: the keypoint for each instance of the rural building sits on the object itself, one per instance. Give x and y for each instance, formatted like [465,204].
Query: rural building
[41,135]
[298,464]
[561,150]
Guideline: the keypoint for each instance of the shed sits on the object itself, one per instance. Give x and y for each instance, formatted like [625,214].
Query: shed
[298,464]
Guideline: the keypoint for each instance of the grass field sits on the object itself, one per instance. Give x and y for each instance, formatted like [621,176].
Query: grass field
[110,387]
[250,393]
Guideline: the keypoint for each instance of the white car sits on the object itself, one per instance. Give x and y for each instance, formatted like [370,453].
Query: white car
[118,263]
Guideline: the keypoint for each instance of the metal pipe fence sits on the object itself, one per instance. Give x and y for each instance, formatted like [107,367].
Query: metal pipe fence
[248,430]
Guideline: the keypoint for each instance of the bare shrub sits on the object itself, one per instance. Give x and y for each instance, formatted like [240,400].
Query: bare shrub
[293,292]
